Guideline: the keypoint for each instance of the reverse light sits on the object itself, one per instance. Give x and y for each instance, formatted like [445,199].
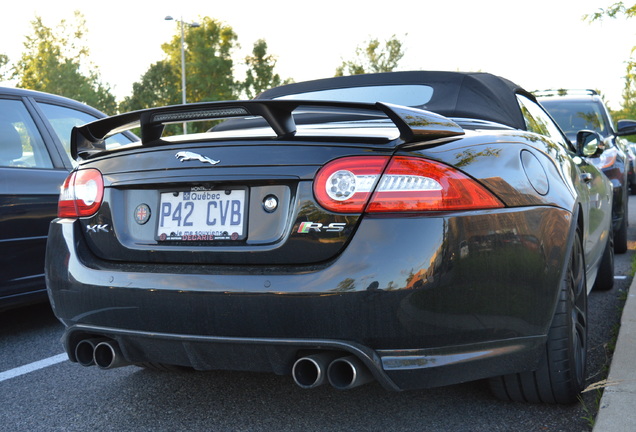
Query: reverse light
[81,194]
[382,184]
[345,185]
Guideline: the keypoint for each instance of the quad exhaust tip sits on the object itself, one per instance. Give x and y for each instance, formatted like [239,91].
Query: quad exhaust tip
[342,372]
[346,373]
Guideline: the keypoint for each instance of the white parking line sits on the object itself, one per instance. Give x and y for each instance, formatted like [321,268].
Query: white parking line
[40,364]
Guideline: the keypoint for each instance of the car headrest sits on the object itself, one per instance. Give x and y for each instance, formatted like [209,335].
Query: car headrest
[10,144]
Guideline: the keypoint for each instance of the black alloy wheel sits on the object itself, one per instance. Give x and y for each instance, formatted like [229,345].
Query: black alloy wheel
[561,373]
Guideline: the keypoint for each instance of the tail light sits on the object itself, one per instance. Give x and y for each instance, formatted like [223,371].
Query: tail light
[384,184]
[81,194]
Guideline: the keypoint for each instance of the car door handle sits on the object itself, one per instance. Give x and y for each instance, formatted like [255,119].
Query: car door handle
[586,177]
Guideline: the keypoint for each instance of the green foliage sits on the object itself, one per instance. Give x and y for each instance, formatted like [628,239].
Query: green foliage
[159,86]
[56,61]
[4,62]
[628,105]
[373,58]
[591,411]
[260,73]
[208,59]
[209,68]
[614,10]
[628,109]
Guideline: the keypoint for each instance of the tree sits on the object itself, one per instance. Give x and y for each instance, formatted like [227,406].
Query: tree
[56,61]
[159,86]
[208,57]
[260,74]
[4,62]
[613,11]
[628,106]
[209,69]
[373,58]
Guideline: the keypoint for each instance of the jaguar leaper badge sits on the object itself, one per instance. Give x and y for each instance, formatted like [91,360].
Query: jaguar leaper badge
[185,156]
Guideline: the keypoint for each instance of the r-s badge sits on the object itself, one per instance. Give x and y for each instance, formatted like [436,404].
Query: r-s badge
[306,227]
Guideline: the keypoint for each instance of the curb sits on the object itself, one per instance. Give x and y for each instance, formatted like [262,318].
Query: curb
[617,409]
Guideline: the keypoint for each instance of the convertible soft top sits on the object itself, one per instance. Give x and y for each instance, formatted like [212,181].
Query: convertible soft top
[475,95]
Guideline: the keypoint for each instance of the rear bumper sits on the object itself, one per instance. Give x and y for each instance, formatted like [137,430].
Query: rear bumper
[394,369]
[446,299]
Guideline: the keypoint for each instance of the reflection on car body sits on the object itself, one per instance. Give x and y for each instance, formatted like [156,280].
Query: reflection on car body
[415,245]
[585,110]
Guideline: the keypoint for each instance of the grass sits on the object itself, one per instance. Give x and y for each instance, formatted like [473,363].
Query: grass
[590,412]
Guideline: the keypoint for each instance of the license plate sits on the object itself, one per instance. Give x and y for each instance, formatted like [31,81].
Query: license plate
[208,215]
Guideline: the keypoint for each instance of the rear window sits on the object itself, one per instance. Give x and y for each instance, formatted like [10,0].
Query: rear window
[21,144]
[407,95]
[63,119]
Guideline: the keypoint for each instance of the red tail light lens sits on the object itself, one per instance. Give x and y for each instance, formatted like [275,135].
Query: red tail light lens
[413,184]
[407,184]
[81,194]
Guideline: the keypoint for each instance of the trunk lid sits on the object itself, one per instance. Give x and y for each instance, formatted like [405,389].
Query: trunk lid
[214,199]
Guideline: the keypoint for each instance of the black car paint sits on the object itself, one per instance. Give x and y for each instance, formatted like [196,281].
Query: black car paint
[28,200]
[28,203]
[294,297]
[422,299]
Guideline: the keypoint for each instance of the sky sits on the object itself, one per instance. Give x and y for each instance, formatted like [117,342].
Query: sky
[538,44]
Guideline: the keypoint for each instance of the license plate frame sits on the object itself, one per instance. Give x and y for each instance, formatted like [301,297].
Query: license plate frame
[202,215]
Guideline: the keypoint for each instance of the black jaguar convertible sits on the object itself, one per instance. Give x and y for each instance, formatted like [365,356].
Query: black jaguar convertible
[414,228]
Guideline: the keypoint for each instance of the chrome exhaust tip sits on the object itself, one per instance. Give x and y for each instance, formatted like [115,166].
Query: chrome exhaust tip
[310,371]
[85,351]
[349,372]
[107,355]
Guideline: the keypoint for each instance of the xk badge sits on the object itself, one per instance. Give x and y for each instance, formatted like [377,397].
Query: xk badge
[97,228]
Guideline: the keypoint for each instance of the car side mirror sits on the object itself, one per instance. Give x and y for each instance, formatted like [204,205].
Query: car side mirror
[589,143]
[626,127]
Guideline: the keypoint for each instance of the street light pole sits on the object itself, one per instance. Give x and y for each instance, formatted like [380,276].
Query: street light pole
[183,64]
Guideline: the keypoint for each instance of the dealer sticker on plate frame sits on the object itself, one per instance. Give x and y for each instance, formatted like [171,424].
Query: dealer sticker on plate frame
[202,215]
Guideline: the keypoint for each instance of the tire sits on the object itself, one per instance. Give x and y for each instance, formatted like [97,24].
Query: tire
[560,376]
[605,277]
[620,236]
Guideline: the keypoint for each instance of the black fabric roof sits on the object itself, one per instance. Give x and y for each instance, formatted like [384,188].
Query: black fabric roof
[455,94]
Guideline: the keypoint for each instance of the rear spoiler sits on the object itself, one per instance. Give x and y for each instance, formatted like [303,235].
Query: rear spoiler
[412,123]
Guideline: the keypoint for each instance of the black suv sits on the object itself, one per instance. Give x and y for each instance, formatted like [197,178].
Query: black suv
[576,110]
[35,132]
